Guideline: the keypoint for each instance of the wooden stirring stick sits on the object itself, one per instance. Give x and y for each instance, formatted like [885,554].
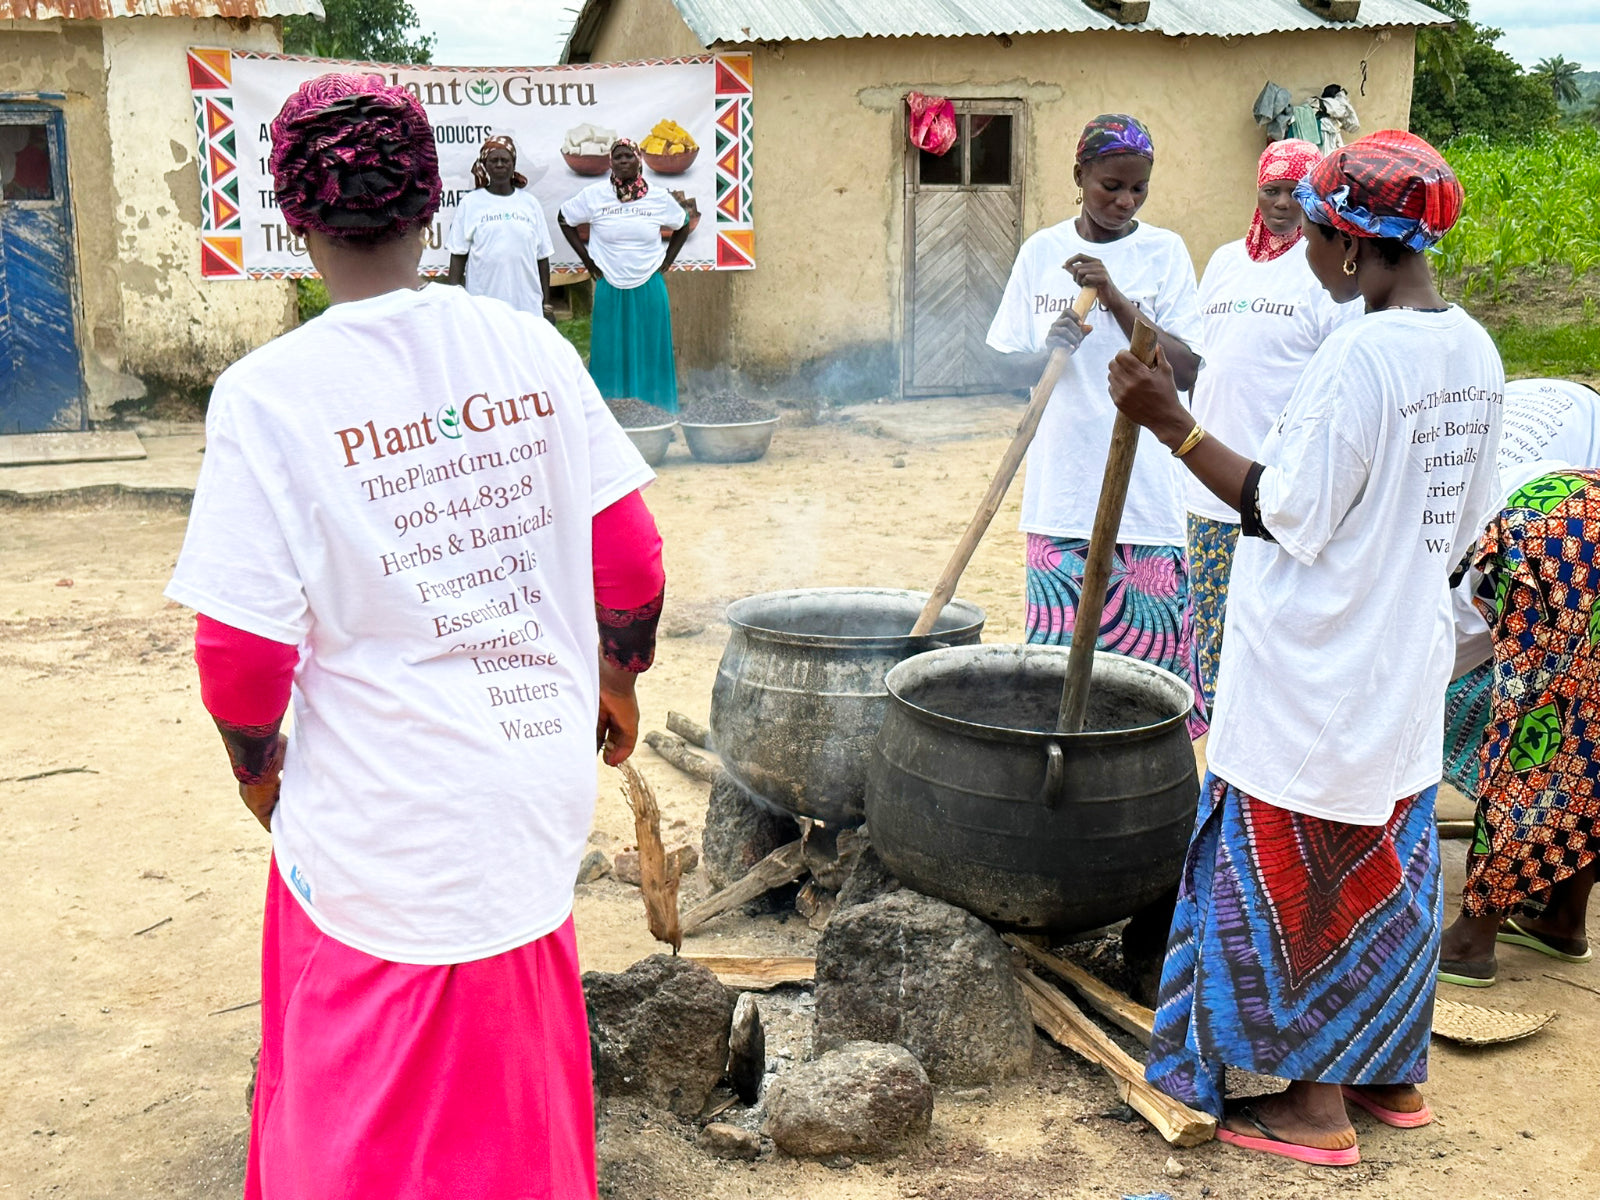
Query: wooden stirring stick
[1102,541]
[946,587]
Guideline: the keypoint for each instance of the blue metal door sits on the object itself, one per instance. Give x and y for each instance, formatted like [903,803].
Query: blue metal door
[41,384]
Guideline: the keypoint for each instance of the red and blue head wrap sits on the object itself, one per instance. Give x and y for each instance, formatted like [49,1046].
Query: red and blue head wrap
[1389,184]
[1115,133]
[353,157]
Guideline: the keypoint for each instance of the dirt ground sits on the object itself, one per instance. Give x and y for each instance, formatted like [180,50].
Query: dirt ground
[128,938]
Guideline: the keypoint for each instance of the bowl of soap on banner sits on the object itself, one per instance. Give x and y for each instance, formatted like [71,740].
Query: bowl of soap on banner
[669,150]
[587,149]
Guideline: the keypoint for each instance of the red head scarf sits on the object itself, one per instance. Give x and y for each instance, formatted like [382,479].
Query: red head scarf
[1389,184]
[1290,161]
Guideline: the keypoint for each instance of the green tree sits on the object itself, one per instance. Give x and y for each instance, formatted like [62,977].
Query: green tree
[1487,94]
[1562,78]
[364,30]
[1441,48]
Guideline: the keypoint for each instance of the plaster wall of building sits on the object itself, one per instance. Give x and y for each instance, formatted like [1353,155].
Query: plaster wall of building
[178,329]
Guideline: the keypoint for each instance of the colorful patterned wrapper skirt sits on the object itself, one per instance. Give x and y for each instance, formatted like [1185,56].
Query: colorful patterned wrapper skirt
[1300,948]
[630,343]
[1211,546]
[1147,614]
[1537,766]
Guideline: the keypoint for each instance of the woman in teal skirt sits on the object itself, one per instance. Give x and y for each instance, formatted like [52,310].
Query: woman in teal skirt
[616,228]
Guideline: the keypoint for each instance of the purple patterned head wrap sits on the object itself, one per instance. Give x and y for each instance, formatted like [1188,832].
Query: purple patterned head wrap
[1115,133]
[353,157]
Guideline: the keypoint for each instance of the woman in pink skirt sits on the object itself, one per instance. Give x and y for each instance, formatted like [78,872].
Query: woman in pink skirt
[419,527]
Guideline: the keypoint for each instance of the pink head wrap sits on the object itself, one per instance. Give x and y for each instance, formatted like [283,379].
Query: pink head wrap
[1291,161]
[353,157]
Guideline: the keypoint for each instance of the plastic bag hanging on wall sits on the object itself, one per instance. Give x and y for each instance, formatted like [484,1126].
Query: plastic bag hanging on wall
[933,123]
[1274,110]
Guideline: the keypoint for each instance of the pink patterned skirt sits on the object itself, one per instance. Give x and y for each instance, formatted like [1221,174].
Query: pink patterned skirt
[1148,613]
[418,1082]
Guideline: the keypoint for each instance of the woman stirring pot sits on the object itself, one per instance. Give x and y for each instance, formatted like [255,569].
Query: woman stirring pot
[1137,269]
[1306,934]
[630,342]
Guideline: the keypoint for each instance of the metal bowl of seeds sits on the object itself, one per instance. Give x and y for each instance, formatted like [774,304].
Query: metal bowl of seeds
[728,428]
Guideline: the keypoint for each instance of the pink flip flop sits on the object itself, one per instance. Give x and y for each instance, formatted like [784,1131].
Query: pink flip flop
[1390,1116]
[1271,1143]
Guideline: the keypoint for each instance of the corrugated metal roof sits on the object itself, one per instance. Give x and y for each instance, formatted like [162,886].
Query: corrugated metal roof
[103,10]
[735,21]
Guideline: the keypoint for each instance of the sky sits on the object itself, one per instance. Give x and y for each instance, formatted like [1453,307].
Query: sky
[482,33]
[1538,30]
[530,32]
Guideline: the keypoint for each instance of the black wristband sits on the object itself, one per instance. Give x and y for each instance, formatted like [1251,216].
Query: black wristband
[1250,524]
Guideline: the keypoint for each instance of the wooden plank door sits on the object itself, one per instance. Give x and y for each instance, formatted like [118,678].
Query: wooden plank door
[963,228]
[41,383]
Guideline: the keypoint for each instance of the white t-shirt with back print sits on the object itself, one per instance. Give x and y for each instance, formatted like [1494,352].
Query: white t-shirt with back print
[1338,644]
[503,237]
[1066,462]
[1550,425]
[1262,322]
[404,489]
[625,236]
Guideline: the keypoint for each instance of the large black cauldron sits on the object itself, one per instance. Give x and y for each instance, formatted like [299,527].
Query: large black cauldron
[799,693]
[972,796]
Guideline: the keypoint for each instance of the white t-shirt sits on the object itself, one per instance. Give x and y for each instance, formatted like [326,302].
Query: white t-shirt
[625,239]
[404,488]
[1550,425]
[1337,645]
[1261,323]
[1066,463]
[503,237]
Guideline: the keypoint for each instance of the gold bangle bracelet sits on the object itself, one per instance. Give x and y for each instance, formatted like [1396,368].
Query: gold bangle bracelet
[1196,435]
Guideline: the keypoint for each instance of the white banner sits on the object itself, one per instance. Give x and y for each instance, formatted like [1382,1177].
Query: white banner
[543,109]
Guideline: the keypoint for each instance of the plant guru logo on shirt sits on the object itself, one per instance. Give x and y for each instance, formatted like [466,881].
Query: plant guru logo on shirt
[477,413]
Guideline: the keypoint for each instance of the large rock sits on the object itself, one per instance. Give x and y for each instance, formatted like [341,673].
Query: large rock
[865,1098]
[908,969]
[739,833]
[868,880]
[659,1030]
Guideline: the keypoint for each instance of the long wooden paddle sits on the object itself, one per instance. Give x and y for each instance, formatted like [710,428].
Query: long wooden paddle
[1102,541]
[1007,471]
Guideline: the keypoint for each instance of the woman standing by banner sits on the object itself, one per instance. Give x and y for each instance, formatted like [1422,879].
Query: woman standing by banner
[499,242]
[630,343]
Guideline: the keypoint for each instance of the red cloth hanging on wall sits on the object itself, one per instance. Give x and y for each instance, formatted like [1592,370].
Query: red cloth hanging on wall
[933,123]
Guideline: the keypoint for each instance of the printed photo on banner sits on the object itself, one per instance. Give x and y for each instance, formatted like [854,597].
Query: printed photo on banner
[690,118]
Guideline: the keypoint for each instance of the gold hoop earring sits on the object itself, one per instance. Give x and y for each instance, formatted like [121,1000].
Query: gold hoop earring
[1349,266]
